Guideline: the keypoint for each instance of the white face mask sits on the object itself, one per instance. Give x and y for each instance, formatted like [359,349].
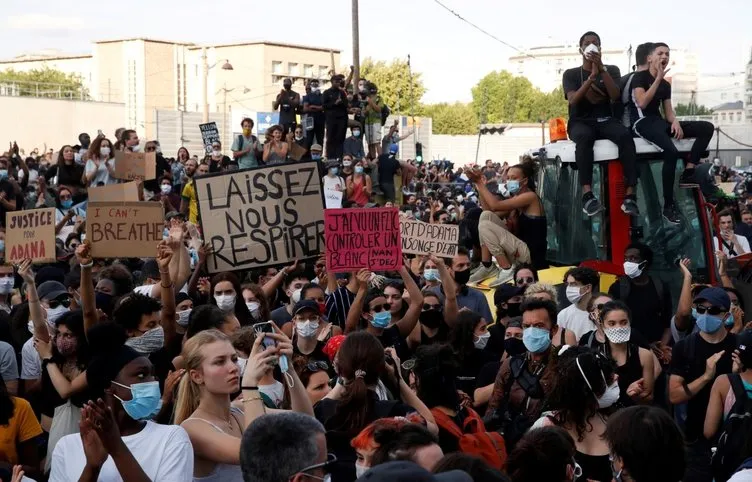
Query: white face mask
[165,188]
[481,341]
[619,334]
[306,329]
[610,396]
[104,151]
[295,296]
[253,306]
[54,313]
[216,152]
[632,269]
[183,317]
[573,294]
[136,148]
[225,303]
[6,285]
[360,470]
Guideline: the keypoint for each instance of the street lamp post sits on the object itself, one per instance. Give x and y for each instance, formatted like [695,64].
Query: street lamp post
[206,67]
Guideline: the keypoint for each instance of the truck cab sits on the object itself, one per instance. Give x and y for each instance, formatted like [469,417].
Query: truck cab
[599,241]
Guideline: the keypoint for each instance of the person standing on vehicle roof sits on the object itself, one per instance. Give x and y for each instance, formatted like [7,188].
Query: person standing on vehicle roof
[650,92]
[591,90]
[625,84]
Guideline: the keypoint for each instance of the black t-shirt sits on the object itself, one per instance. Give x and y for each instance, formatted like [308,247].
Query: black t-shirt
[650,314]
[217,165]
[10,193]
[689,364]
[496,342]
[315,99]
[331,107]
[286,110]
[644,80]
[388,166]
[585,109]
[391,337]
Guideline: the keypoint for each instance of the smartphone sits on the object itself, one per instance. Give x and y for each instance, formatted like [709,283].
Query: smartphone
[99,132]
[262,329]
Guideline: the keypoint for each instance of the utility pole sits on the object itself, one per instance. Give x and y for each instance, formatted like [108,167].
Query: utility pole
[629,58]
[482,121]
[356,44]
[205,86]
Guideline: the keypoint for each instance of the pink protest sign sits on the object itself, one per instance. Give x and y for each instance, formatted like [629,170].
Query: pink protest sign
[362,238]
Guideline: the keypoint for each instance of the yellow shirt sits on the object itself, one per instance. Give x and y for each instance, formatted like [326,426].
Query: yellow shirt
[21,427]
[189,194]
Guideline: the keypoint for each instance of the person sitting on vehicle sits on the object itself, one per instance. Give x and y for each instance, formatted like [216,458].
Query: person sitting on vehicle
[647,297]
[591,89]
[650,92]
[524,209]
[733,244]
[625,84]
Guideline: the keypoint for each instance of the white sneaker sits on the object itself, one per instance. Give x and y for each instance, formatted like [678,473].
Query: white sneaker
[504,276]
[483,273]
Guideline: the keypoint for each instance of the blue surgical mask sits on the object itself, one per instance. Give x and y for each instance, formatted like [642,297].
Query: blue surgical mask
[356,133]
[707,323]
[316,157]
[358,169]
[381,319]
[2,245]
[513,186]
[3,174]
[431,274]
[334,171]
[66,204]
[165,233]
[536,340]
[145,402]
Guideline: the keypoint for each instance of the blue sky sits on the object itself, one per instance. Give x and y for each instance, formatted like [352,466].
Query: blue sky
[451,55]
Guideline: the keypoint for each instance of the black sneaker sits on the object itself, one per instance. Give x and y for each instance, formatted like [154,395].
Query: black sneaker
[672,214]
[629,207]
[687,179]
[590,205]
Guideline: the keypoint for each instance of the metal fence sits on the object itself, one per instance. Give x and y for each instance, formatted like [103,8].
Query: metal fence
[43,89]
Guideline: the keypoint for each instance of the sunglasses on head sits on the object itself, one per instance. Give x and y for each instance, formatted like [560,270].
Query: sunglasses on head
[60,302]
[316,366]
[380,308]
[711,310]
[528,280]
[428,306]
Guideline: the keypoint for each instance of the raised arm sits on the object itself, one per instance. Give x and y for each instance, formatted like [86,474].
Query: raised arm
[451,308]
[36,311]
[88,297]
[408,322]
[356,308]
[164,256]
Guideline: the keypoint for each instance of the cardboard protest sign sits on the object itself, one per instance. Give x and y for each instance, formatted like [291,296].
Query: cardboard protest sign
[363,238]
[135,165]
[30,234]
[297,151]
[127,191]
[262,216]
[333,198]
[124,229]
[209,134]
[423,238]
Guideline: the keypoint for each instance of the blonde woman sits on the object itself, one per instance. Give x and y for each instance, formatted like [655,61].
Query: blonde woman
[204,408]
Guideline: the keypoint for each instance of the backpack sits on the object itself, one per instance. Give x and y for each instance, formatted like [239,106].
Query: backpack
[473,439]
[736,428]
[385,113]
[254,140]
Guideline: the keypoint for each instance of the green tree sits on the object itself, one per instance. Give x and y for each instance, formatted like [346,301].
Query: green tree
[503,97]
[452,119]
[45,82]
[689,109]
[393,81]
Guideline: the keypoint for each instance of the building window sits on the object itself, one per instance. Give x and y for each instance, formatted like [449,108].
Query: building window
[323,72]
[723,117]
[308,70]
[294,69]
[276,67]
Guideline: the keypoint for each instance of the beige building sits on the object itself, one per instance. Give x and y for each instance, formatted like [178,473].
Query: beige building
[148,75]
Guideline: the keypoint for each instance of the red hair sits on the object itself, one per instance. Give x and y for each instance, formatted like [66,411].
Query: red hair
[365,439]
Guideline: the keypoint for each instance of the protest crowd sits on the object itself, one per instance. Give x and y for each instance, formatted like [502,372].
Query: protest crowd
[315,308]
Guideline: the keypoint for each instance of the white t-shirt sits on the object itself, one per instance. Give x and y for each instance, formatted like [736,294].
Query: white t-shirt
[102,175]
[164,452]
[31,364]
[575,320]
[740,239]
[335,183]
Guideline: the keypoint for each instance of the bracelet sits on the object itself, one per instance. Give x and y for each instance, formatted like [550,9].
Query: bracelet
[88,265]
[687,390]
[168,286]
[249,388]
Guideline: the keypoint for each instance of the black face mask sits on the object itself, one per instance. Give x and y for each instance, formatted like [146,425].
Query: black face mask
[462,277]
[513,309]
[431,319]
[514,346]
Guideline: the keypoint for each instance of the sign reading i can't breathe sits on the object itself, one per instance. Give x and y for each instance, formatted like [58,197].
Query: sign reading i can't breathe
[124,229]
[262,216]
[363,238]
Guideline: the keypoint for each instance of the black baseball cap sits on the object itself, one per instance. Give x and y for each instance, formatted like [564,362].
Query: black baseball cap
[505,292]
[305,305]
